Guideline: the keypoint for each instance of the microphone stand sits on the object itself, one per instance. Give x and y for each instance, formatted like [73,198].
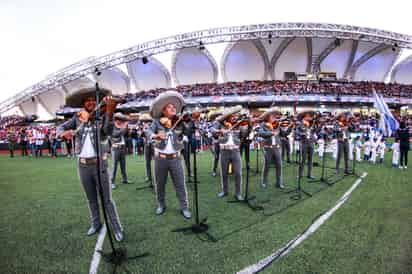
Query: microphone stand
[117,256]
[200,226]
[246,200]
[323,177]
[257,156]
[298,190]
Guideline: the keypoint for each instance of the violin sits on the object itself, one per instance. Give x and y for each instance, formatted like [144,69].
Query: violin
[307,123]
[227,124]
[84,115]
[230,126]
[273,125]
[168,122]
[171,123]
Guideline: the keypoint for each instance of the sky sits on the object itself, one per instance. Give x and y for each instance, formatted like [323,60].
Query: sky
[40,37]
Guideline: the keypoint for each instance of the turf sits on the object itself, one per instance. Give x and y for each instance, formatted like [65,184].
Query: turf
[44,219]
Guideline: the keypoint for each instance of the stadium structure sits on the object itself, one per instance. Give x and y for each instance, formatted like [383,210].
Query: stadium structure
[233,54]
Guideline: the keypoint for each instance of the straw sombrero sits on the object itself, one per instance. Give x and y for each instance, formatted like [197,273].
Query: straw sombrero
[121,116]
[343,115]
[212,115]
[306,113]
[227,112]
[168,97]
[145,117]
[76,99]
[270,111]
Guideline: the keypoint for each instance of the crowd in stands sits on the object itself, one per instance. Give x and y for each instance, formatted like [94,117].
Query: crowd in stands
[282,87]
[35,140]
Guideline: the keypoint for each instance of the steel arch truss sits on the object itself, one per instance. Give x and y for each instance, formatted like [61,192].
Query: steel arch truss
[399,66]
[156,62]
[355,66]
[205,52]
[262,54]
[209,36]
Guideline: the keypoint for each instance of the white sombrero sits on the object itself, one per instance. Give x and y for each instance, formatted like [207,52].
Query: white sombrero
[121,116]
[168,97]
[229,111]
[270,111]
[76,99]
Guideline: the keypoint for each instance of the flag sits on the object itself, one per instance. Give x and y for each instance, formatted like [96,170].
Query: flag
[387,123]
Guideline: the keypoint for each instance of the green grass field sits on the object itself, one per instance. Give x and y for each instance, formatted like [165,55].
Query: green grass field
[44,219]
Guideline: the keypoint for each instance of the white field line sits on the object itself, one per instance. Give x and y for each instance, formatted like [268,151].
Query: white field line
[303,236]
[96,255]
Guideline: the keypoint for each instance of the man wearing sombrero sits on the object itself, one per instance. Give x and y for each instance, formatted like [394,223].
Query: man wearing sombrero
[167,133]
[215,142]
[341,130]
[307,134]
[83,126]
[270,132]
[148,147]
[285,131]
[118,152]
[229,142]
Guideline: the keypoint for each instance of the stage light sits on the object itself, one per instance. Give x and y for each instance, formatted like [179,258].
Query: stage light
[33,99]
[145,60]
[395,47]
[201,46]
[97,71]
[270,38]
[337,42]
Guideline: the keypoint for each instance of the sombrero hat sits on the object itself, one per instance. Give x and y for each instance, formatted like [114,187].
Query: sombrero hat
[121,116]
[168,97]
[306,113]
[76,99]
[270,111]
[212,115]
[344,115]
[227,112]
[145,117]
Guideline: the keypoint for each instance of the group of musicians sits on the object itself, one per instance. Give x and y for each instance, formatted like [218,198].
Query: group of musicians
[168,144]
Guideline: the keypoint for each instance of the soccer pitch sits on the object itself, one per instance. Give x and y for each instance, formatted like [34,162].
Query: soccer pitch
[44,219]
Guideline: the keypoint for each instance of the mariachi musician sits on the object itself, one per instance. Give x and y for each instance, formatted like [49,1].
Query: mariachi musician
[285,127]
[215,142]
[245,129]
[342,129]
[188,137]
[226,130]
[271,134]
[167,133]
[83,125]
[148,147]
[307,133]
[118,141]
[189,122]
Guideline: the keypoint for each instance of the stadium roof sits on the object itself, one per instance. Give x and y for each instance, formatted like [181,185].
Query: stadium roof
[362,54]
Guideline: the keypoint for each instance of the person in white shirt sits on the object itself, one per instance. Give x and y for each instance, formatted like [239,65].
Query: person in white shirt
[166,132]
[374,150]
[381,149]
[395,153]
[84,126]
[321,147]
[39,142]
[367,149]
